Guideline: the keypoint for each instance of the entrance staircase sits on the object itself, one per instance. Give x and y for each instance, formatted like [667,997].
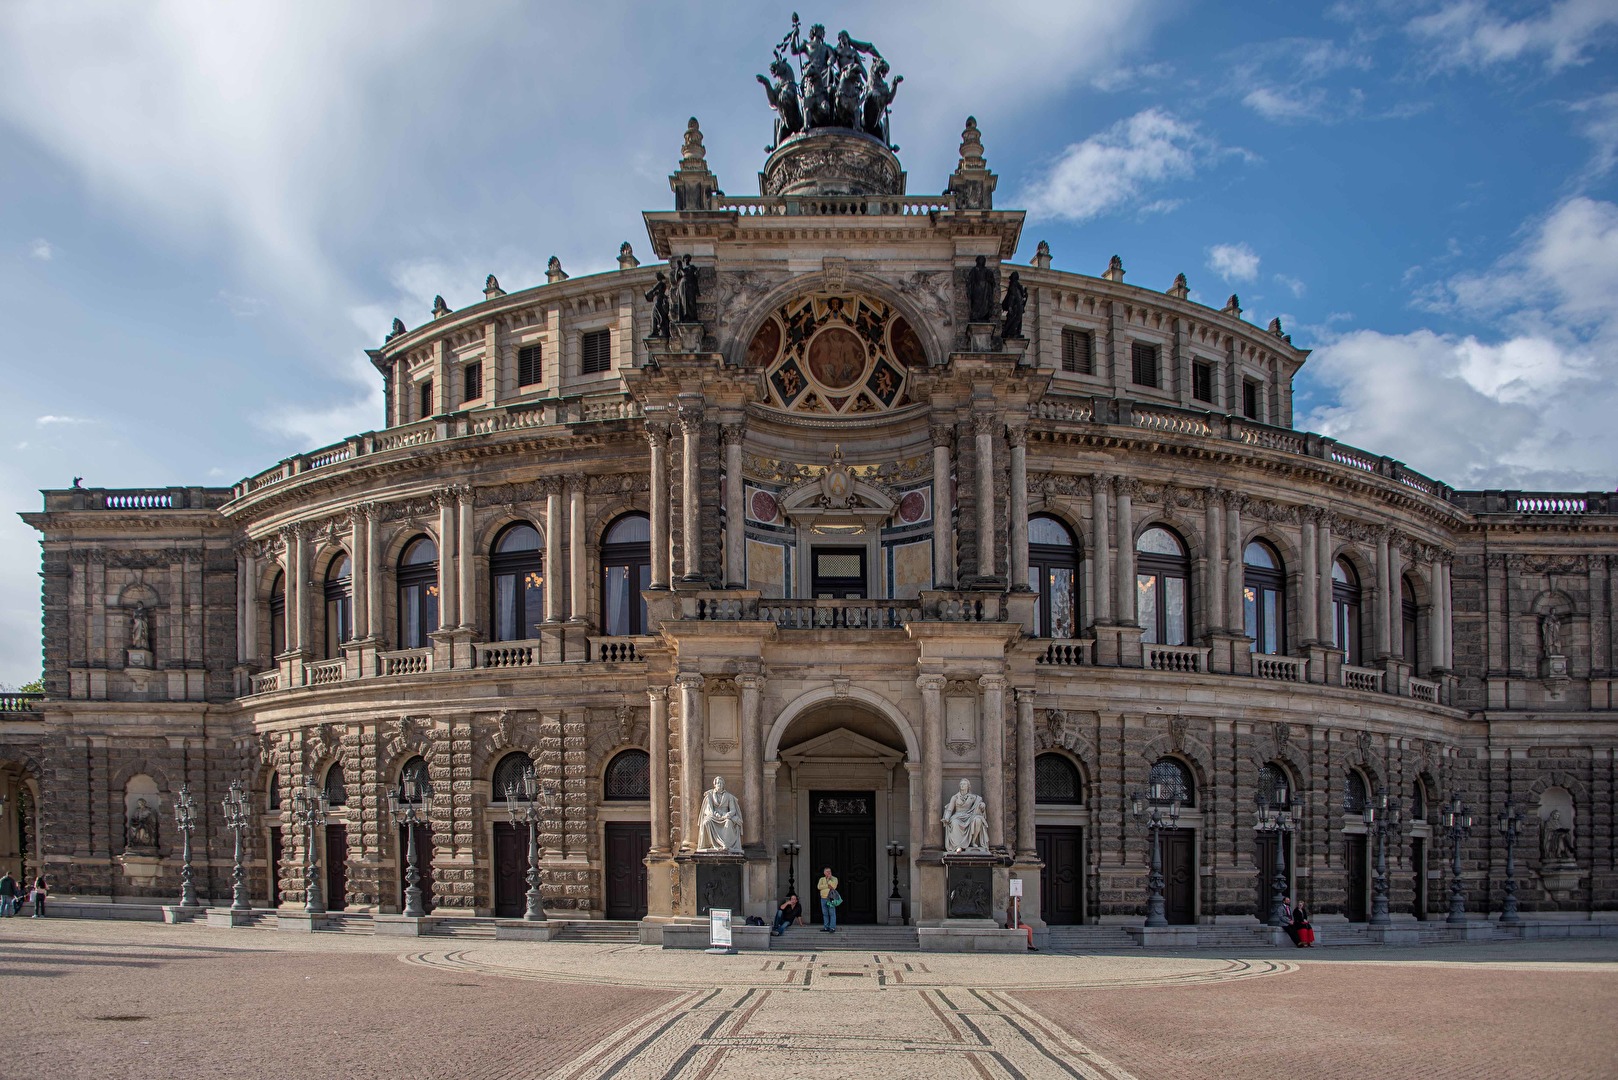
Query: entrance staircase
[847,938]
[601,932]
[1090,938]
[458,926]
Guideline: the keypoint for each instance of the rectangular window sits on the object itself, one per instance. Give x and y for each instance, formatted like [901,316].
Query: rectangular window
[473,381]
[1202,381]
[426,400]
[1250,400]
[597,352]
[530,366]
[1078,351]
[1145,363]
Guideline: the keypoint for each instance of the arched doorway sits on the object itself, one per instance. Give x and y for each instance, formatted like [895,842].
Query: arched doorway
[19,832]
[843,797]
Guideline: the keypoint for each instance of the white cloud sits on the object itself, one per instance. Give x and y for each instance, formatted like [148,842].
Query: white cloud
[1468,34]
[1118,166]
[1233,262]
[49,419]
[1279,79]
[1291,284]
[1599,123]
[41,249]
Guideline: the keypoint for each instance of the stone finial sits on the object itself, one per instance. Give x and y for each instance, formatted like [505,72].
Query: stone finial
[972,183]
[554,271]
[491,288]
[693,184]
[1115,269]
[1233,306]
[1179,290]
[626,257]
[692,151]
[440,309]
[1042,256]
[1275,326]
[398,329]
[972,146]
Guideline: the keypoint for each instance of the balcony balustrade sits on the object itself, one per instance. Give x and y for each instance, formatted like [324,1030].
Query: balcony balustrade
[404,662]
[1361,678]
[1280,668]
[1189,659]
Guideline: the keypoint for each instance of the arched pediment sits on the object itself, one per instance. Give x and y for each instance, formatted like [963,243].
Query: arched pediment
[838,501]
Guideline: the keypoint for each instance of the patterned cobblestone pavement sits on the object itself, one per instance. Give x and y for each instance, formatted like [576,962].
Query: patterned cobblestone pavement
[139,1000]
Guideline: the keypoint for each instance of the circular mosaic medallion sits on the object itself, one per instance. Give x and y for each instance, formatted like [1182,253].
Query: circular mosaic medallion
[764,506]
[911,507]
[837,358]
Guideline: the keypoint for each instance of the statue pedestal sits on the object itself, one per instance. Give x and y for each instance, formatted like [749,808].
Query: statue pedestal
[140,867]
[969,883]
[711,879]
[980,337]
[1553,674]
[1560,879]
[137,658]
[687,337]
[1018,347]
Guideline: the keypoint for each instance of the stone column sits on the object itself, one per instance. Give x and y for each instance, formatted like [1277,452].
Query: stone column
[1442,636]
[657,740]
[983,427]
[657,436]
[691,725]
[932,759]
[1308,580]
[359,571]
[1396,577]
[448,580]
[993,741]
[1126,551]
[1017,437]
[735,510]
[691,488]
[1215,589]
[247,591]
[374,572]
[1234,502]
[943,499]
[1323,567]
[298,589]
[579,585]
[553,552]
[1100,548]
[752,760]
[465,549]
[1025,773]
[1382,634]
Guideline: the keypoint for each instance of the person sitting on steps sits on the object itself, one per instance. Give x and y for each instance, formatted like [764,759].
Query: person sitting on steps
[790,913]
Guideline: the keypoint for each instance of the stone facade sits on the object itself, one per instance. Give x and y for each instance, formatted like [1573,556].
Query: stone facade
[833,478]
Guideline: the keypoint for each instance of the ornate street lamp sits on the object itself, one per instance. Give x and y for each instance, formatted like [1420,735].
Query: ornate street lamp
[790,849]
[1457,823]
[1279,816]
[1381,817]
[1510,820]
[238,819]
[1147,804]
[895,852]
[412,807]
[522,803]
[309,808]
[185,819]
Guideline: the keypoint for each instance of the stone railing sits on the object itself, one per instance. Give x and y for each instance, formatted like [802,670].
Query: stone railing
[1539,503]
[617,650]
[143,499]
[1076,409]
[323,673]
[1424,690]
[506,654]
[20,702]
[1280,668]
[405,662]
[266,682]
[1189,659]
[833,205]
[1067,653]
[949,606]
[840,614]
[1178,422]
[1360,678]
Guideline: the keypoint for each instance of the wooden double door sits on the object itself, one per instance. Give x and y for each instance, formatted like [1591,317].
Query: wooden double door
[336,867]
[1357,873]
[510,870]
[627,845]
[842,835]
[1061,883]
[1179,876]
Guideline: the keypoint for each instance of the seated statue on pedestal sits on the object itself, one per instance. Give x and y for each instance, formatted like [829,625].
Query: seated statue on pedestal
[719,827]
[966,822]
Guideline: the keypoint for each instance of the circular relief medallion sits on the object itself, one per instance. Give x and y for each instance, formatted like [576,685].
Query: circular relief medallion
[766,343]
[764,506]
[837,358]
[911,507]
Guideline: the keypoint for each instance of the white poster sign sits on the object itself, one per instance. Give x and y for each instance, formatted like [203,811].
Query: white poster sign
[719,926]
[1016,886]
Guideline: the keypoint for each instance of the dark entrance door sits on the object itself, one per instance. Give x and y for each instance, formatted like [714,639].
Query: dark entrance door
[627,845]
[1266,872]
[424,865]
[1418,859]
[839,574]
[274,890]
[510,870]
[842,835]
[1179,876]
[1061,849]
[336,867]
[1358,906]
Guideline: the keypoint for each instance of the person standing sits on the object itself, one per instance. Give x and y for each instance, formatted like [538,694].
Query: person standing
[829,899]
[8,894]
[39,897]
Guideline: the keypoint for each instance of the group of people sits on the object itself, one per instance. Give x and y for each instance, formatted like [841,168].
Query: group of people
[1296,924]
[790,910]
[13,894]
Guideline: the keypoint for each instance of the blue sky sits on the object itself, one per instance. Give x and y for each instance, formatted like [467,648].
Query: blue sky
[208,211]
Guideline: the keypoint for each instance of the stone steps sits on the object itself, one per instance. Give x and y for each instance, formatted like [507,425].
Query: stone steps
[1089,938]
[601,931]
[338,922]
[847,938]
[460,927]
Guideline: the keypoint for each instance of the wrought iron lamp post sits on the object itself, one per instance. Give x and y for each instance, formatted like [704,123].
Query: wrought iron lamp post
[238,819]
[185,820]
[1510,819]
[522,803]
[1457,823]
[1279,816]
[790,849]
[895,851]
[411,807]
[1381,817]
[309,808]
[1146,804]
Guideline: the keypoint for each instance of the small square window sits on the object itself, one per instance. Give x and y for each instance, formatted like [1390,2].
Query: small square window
[1202,381]
[530,365]
[1078,351]
[426,399]
[1145,363]
[597,352]
[1250,400]
[473,383]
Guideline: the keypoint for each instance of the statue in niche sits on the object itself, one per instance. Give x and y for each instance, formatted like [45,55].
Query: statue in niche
[658,294]
[966,821]
[719,826]
[980,286]
[1550,632]
[1015,303]
[140,828]
[685,291]
[1555,840]
[140,627]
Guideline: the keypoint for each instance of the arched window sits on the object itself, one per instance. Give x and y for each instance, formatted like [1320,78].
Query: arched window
[339,605]
[1056,781]
[511,773]
[418,593]
[628,777]
[1356,793]
[626,569]
[278,615]
[1418,799]
[517,584]
[1345,611]
[1171,782]
[1407,619]
[275,790]
[1273,786]
[1162,585]
[1053,574]
[414,781]
[336,790]
[1264,602]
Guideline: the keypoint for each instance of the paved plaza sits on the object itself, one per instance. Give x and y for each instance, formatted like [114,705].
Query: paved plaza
[139,1000]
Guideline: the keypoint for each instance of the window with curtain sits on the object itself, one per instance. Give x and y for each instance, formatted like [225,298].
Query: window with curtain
[1264,598]
[278,615]
[1053,575]
[1056,781]
[418,593]
[1162,588]
[516,584]
[626,569]
[1407,616]
[628,777]
[339,605]
[1172,778]
[1345,611]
